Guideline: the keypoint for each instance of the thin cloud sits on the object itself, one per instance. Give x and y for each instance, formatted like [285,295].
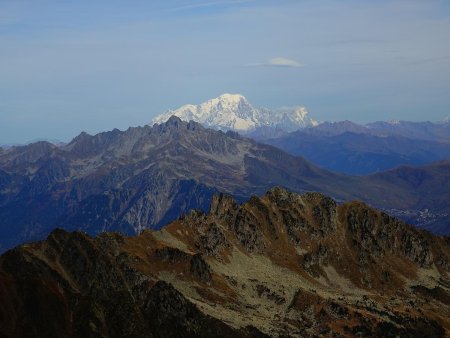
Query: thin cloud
[283,62]
[278,62]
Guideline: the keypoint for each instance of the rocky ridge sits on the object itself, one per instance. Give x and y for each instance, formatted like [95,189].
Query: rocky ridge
[278,265]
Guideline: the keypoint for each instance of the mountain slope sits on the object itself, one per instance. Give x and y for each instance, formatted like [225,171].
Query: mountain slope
[280,265]
[425,197]
[234,112]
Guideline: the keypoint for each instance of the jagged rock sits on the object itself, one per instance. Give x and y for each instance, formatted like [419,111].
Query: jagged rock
[324,213]
[417,249]
[247,232]
[200,268]
[171,255]
[264,291]
[213,241]
[313,259]
[223,206]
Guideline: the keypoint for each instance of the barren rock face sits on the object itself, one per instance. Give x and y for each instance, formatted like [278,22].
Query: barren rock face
[278,265]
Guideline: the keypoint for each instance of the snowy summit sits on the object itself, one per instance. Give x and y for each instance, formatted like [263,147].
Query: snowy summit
[234,112]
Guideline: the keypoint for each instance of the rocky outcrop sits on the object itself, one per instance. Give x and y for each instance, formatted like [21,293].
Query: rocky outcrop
[200,269]
[378,233]
[212,241]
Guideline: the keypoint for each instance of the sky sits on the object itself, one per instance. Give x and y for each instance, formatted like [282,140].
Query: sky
[72,66]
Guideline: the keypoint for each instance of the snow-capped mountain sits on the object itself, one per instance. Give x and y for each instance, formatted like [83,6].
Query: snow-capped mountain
[234,112]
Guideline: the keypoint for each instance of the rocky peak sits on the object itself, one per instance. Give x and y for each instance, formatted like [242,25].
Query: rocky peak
[80,141]
[174,121]
[86,145]
[28,154]
[222,205]
[281,195]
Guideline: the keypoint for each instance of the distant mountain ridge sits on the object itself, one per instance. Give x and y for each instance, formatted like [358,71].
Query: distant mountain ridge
[357,149]
[431,131]
[234,112]
[56,142]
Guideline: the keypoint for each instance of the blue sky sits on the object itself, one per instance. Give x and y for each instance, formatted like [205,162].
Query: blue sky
[68,66]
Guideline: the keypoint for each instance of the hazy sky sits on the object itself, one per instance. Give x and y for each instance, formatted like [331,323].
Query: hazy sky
[68,66]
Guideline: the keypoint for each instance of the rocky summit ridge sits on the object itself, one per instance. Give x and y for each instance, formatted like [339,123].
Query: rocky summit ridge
[234,112]
[280,265]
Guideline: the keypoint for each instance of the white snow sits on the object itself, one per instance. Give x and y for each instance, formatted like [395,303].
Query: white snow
[234,112]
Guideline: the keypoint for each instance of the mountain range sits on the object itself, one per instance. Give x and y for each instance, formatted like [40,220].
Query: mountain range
[438,131]
[139,178]
[280,265]
[342,146]
[234,112]
[356,149]
[145,177]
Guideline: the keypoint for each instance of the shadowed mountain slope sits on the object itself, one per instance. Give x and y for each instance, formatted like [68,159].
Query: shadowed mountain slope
[358,150]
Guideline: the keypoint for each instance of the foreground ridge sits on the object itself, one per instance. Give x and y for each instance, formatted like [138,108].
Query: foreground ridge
[282,264]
